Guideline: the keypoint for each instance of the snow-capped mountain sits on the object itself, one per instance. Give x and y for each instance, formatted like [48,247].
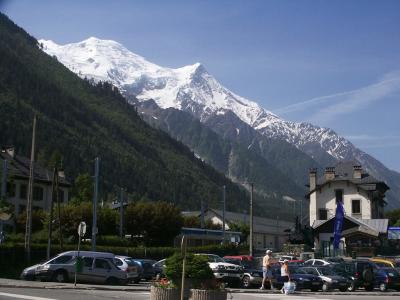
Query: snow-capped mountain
[192,89]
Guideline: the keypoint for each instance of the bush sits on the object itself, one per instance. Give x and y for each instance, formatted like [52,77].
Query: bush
[197,270]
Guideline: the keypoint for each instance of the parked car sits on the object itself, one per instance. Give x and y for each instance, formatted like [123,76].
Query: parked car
[387,278]
[29,273]
[146,269]
[296,263]
[128,265]
[360,272]
[159,268]
[252,271]
[287,257]
[303,280]
[230,274]
[331,280]
[386,262]
[316,263]
[97,267]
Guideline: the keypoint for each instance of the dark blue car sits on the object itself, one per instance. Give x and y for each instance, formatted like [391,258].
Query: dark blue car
[387,278]
[303,280]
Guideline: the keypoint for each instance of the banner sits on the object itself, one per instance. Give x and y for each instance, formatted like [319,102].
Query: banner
[339,218]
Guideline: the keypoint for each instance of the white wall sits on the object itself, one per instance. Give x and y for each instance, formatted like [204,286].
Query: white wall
[325,198]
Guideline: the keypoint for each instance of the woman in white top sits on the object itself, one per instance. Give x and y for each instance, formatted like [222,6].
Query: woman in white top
[285,274]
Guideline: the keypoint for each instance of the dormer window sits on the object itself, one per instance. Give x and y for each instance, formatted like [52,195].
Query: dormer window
[355,207]
[323,214]
[339,195]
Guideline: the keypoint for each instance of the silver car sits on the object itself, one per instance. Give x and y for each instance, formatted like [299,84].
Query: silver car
[97,267]
[128,265]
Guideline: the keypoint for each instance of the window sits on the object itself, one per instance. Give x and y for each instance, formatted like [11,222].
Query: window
[10,190]
[61,195]
[339,196]
[323,214]
[23,191]
[61,259]
[37,193]
[88,262]
[356,207]
[101,264]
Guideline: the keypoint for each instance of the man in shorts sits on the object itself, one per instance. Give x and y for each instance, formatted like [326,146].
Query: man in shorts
[267,271]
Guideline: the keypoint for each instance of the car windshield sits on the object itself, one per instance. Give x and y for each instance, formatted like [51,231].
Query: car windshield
[326,271]
[215,258]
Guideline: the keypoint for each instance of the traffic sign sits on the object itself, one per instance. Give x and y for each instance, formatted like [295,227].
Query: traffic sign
[82,229]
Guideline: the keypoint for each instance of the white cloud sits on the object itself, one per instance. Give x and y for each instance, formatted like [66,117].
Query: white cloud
[326,108]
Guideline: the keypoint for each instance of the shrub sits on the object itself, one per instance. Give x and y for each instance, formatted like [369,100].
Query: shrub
[197,270]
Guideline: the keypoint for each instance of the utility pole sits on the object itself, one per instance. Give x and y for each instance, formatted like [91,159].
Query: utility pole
[223,213]
[202,225]
[251,218]
[60,234]
[4,180]
[95,195]
[121,213]
[53,183]
[28,228]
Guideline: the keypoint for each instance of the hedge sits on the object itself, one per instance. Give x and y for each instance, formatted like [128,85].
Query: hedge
[12,254]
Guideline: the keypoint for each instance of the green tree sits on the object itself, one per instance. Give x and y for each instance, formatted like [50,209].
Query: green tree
[243,228]
[393,216]
[83,189]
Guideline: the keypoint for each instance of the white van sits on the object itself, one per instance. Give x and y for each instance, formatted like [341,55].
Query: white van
[97,267]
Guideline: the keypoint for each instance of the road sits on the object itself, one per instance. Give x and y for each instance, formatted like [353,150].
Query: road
[70,294]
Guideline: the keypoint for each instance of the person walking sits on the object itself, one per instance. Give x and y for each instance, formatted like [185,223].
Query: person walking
[285,274]
[267,270]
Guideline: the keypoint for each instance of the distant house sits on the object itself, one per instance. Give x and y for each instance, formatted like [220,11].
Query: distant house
[17,178]
[363,198]
[267,233]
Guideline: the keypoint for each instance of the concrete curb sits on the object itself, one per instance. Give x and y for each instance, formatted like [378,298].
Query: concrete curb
[277,292]
[38,285]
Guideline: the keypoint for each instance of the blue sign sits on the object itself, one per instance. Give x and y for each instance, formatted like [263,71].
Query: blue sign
[394,233]
[339,218]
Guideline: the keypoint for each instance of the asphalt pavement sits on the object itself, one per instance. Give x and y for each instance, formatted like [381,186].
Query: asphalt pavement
[36,290]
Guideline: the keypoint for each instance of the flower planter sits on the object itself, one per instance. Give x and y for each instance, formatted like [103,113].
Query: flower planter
[208,295]
[157,293]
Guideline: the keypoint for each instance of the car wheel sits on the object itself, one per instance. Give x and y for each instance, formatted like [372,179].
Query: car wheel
[60,276]
[325,287]
[369,287]
[352,287]
[112,281]
[246,282]
[383,287]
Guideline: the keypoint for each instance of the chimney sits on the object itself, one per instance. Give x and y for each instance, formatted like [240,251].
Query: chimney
[357,170]
[329,173]
[313,179]
[11,151]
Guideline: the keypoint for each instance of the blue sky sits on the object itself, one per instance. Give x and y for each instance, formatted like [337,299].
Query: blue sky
[331,63]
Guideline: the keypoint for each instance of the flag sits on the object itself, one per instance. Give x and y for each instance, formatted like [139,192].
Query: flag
[337,231]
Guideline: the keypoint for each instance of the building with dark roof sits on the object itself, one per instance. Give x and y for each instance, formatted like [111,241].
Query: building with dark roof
[15,182]
[363,199]
[267,233]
